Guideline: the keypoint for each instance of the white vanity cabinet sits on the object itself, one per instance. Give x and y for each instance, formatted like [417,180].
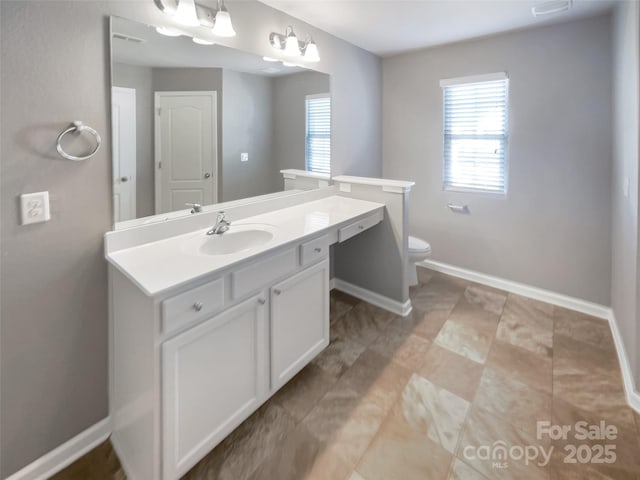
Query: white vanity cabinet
[218,372]
[191,361]
[299,321]
[214,376]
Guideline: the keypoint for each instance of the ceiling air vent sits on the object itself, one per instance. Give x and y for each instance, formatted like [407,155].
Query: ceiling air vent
[549,8]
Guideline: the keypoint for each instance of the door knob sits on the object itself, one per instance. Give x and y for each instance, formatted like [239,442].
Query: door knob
[124,179]
[207,175]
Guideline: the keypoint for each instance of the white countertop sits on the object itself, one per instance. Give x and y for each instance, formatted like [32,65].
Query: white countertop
[164,264]
[401,185]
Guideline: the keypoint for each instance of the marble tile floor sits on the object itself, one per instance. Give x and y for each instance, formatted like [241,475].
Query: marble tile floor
[433,396]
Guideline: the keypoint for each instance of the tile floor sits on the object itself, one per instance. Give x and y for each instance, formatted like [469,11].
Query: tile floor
[417,398]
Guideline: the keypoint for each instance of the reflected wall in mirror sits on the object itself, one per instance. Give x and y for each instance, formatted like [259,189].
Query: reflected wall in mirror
[206,124]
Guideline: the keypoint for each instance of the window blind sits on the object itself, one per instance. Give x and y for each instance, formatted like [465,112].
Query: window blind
[318,135]
[475,133]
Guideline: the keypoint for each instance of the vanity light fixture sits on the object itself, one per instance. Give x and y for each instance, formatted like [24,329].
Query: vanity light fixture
[186,13]
[168,32]
[292,47]
[222,25]
[548,8]
[202,41]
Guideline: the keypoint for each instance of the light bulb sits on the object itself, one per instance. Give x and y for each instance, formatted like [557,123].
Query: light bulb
[311,52]
[168,32]
[291,45]
[222,26]
[186,13]
[202,41]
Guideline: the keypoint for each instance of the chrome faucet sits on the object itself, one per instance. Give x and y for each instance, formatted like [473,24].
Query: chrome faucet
[221,226]
[195,207]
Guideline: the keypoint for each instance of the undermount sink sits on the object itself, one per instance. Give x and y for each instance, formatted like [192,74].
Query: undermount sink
[235,240]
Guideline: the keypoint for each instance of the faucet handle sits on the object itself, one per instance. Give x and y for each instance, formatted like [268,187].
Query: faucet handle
[196,207]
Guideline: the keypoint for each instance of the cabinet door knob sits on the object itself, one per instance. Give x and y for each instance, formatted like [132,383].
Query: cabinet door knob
[198,306]
[317,249]
[207,175]
[262,301]
[124,179]
[277,291]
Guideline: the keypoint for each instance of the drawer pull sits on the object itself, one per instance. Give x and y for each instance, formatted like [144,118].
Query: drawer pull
[262,301]
[198,306]
[317,249]
[360,227]
[277,291]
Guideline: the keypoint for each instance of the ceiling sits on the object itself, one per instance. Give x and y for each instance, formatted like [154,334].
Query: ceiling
[387,27]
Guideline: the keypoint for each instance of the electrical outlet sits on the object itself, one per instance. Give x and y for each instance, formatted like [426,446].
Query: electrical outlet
[34,207]
[244,157]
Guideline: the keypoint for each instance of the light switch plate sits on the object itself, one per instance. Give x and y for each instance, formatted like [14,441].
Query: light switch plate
[244,157]
[34,207]
[625,187]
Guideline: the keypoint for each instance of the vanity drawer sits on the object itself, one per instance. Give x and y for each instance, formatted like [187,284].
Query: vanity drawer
[188,306]
[314,250]
[345,233]
[260,273]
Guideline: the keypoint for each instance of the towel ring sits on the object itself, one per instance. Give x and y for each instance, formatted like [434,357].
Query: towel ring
[78,127]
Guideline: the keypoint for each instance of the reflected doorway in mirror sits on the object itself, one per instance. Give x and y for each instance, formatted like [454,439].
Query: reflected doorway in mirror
[186,153]
[123,126]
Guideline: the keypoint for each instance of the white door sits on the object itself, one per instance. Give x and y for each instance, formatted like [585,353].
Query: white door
[123,126]
[186,149]
[299,321]
[213,377]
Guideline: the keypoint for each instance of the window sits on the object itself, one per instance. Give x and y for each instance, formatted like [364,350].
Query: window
[318,135]
[476,133]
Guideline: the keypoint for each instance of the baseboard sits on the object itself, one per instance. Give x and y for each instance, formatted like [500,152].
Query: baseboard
[64,455]
[577,304]
[633,397]
[373,298]
[572,303]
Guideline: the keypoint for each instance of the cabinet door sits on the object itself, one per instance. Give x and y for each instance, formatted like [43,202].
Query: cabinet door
[299,321]
[213,377]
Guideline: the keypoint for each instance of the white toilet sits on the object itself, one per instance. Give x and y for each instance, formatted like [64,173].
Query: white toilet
[418,250]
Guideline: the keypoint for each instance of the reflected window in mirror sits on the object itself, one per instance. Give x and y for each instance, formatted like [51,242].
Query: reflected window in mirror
[318,136]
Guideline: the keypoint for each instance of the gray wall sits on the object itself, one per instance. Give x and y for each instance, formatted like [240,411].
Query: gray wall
[553,228]
[247,113]
[289,122]
[141,79]
[53,318]
[625,281]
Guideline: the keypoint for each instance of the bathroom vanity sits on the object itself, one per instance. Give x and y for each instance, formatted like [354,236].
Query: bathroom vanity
[205,328]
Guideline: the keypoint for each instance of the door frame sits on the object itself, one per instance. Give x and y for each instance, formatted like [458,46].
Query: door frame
[157,143]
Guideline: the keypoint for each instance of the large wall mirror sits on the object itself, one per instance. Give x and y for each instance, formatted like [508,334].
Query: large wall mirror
[206,124]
